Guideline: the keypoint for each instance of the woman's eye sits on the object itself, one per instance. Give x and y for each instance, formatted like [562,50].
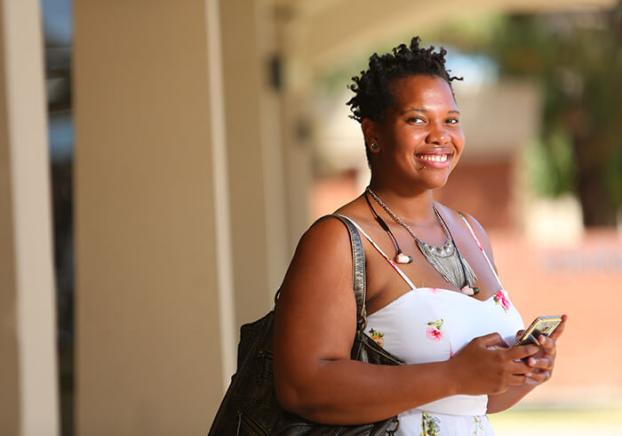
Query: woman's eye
[416,120]
[453,121]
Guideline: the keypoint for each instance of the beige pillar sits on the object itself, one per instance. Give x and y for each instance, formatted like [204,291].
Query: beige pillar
[154,326]
[28,376]
[254,151]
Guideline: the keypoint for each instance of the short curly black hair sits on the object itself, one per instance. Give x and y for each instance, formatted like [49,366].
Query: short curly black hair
[372,88]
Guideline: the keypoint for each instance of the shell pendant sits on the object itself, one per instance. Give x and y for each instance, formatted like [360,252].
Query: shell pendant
[467,290]
[402,258]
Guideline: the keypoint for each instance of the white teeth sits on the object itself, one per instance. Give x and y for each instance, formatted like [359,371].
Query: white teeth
[434,157]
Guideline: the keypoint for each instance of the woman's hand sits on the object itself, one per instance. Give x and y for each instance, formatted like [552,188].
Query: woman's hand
[543,362]
[540,369]
[487,366]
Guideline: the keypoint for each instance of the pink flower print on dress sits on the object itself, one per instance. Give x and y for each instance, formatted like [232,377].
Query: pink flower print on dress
[501,299]
[377,336]
[433,331]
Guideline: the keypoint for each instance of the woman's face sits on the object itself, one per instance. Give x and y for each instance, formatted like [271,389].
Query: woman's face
[421,138]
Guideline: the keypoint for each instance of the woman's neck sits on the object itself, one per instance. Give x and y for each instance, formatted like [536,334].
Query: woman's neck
[412,205]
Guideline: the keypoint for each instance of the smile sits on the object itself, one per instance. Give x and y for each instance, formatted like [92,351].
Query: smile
[434,157]
[437,159]
[434,160]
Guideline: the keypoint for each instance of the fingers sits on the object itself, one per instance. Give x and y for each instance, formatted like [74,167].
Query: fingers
[517,380]
[533,378]
[560,328]
[520,368]
[519,334]
[522,351]
[543,363]
[492,340]
[538,377]
[548,345]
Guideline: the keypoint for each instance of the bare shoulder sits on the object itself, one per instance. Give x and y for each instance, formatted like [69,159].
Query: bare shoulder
[321,266]
[324,252]
[327,237]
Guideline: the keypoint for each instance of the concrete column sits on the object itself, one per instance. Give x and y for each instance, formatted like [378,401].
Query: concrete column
[254,151]
[153,298]
[28,376]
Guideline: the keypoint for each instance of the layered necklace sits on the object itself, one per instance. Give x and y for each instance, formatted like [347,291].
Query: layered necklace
[446,258]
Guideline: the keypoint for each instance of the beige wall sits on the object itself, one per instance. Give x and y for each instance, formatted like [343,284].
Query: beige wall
[153,341]
[29,394]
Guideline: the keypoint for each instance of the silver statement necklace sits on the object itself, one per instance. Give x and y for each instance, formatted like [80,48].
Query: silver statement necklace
[446,258]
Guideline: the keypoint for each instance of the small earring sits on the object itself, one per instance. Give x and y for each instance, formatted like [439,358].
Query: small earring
[374,146]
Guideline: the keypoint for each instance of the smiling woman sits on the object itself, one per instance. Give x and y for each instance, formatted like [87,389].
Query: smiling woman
[454,328]
[422,126]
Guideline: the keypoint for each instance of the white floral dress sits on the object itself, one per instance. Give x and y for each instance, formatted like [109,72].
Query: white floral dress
[431,325]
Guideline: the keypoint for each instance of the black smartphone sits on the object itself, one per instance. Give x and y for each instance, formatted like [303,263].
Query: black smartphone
[542,325]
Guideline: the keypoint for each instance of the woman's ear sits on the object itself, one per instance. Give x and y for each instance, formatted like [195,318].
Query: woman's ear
[370,133]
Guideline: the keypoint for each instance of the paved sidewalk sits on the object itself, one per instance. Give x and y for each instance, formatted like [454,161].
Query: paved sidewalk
[601,422]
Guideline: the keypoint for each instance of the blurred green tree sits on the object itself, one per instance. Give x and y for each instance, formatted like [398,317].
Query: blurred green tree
[577,59]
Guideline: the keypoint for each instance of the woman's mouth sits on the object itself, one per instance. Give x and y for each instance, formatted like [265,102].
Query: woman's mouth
[434,160]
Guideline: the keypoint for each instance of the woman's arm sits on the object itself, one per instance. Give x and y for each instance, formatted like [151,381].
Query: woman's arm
[500,402]
[314,330]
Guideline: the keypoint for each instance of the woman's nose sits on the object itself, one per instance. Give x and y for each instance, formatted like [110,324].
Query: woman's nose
[437,135]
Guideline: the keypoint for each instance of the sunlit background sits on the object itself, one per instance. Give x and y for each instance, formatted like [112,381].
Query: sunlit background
[542,171]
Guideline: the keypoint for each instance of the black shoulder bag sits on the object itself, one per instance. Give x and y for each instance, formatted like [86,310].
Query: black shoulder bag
[250,407]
